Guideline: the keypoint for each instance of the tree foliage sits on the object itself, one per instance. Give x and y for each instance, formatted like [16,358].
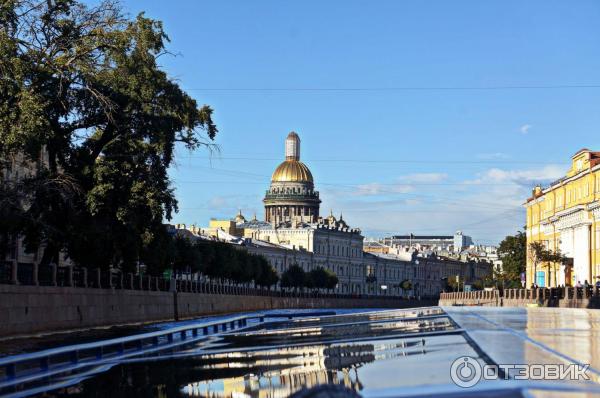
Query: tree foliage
[513,253]
[81,85]
[216,260]
[543,257]
[318,278]
[294,277]
[322,278]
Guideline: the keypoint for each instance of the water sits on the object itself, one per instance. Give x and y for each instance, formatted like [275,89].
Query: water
[377,353]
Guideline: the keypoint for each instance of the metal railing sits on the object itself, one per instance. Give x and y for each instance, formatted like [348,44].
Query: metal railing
[82,277]
[539,294]
[553,293]
[474,295]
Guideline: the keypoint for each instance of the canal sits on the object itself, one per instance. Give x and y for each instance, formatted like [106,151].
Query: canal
[375,353]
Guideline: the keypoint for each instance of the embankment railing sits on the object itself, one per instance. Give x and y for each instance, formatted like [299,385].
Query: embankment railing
[82,277]
[539,294]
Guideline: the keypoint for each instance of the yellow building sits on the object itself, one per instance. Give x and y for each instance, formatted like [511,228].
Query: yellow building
[565,217]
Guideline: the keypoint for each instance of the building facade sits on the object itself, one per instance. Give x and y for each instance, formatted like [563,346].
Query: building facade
[565,218]
[12,171]
[448,243]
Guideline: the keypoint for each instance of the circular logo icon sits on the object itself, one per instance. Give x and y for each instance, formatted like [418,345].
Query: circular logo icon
[465,372]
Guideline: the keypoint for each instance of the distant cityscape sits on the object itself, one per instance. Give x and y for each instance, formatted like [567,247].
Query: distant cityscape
[294,232]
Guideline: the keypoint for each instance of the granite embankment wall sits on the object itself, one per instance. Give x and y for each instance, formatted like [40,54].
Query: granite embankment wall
[33,309]
[568,297]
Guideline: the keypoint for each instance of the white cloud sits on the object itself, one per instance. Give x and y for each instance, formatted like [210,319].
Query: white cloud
[527,177]
[525,128]
[403,184]
[487,207]
[375,189]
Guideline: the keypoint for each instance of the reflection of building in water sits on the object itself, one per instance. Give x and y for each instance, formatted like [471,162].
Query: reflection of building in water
[285,371]
[282,372]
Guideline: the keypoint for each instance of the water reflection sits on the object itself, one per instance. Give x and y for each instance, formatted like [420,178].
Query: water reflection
[327,332]
[360,351]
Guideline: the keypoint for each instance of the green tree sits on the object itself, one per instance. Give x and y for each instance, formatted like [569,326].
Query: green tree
[538,254]
[513,253]
[322,278]
[267,275]
[82,85]
[551,259]
[543,257]
[294,277]
[185,255]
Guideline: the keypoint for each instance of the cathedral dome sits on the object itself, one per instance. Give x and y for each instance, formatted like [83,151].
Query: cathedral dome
[292,171]
[291,198]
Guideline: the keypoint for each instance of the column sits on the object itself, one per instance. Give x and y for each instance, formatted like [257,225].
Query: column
[581,245]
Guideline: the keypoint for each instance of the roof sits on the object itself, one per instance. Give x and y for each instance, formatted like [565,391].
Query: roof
[292,171]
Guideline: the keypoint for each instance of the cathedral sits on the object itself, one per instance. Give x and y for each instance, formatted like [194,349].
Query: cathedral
[294,232]
[291,198]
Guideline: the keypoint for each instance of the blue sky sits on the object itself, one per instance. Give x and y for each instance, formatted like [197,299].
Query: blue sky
[392,160]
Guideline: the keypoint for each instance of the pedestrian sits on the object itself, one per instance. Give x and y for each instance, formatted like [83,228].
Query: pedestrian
[578,285]
[586,284]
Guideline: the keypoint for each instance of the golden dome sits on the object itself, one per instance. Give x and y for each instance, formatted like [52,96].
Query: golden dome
[292,171]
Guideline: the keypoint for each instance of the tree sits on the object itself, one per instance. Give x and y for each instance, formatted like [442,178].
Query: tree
[322,278]
[551,259]
[294,277]
[267,276]
[537,254]
[450,284]
[513,253]
[185,255]
[82,86]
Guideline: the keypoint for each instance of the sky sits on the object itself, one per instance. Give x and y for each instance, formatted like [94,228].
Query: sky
[415,116]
